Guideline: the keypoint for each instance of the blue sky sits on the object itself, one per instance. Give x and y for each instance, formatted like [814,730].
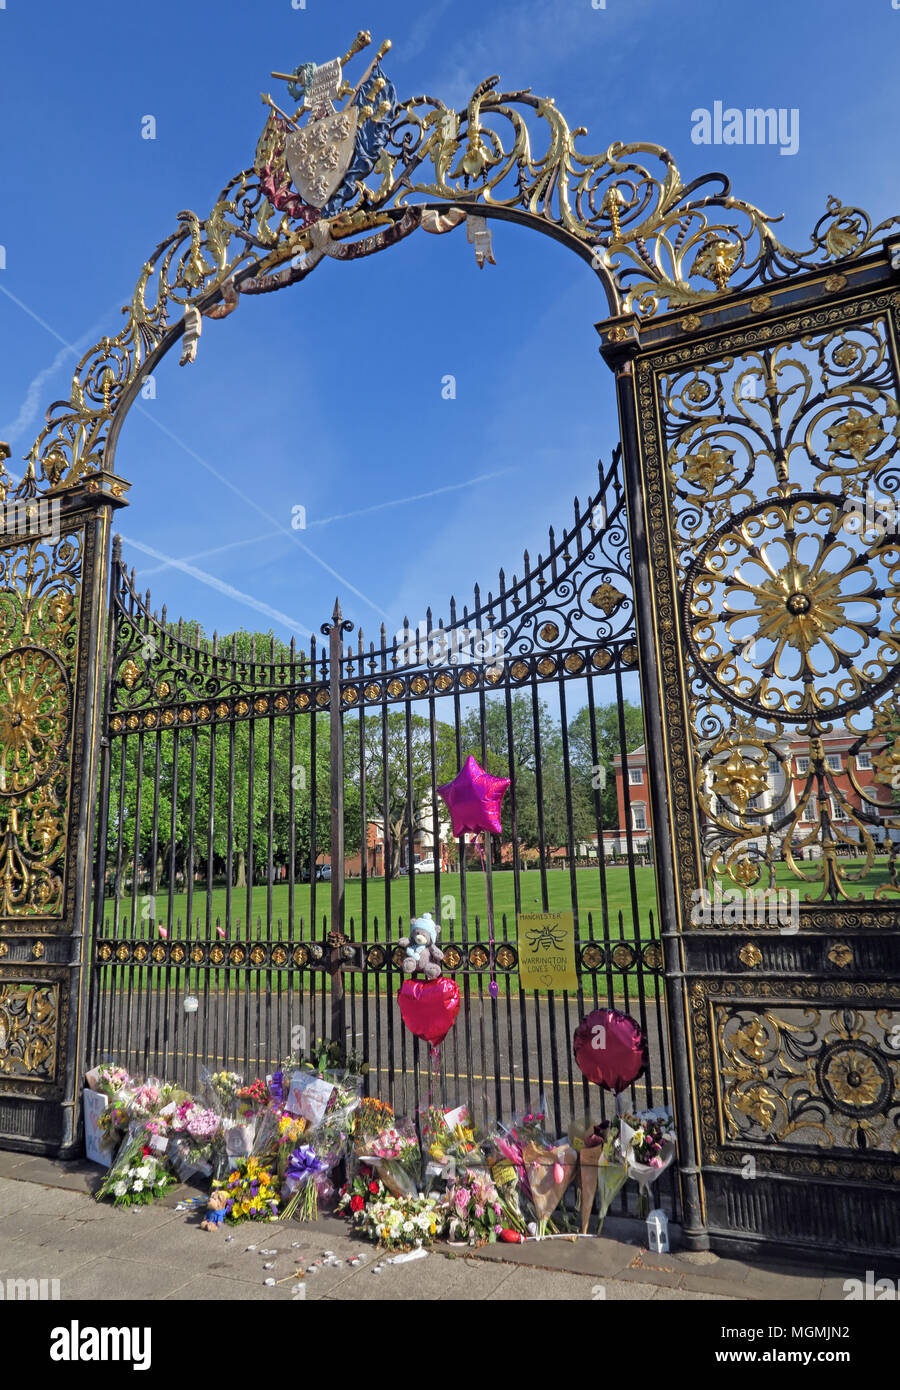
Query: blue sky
[328,395]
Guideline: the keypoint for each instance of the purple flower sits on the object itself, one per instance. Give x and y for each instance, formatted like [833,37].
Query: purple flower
[276,1086]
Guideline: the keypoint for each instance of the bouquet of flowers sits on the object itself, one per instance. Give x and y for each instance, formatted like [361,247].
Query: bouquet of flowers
[370,1118]
[602,1170]
[140,1183]
[305,1181]
[235,1139]
[474,1210]
[145,1143]
[400,1223]
[252,1098]
[197,1122]
[550,1168]
[395,1156]
[326,1055]
[222,1088]
[505,1178]
[647,1142]
[359,1191]
[333,1133]
[509,1148]
[252,1190]
[450,1142]
[327,1101]
[147,1099]
[289,1132]
[195,1130]
[112,1123]
[112,1081]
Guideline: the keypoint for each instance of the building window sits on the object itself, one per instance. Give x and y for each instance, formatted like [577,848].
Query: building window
[837,810]
[802,766]
[864,761]
[833,762]
[636,776]
[638,816]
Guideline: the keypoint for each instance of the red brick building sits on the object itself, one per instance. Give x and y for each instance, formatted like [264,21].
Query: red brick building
[852,786]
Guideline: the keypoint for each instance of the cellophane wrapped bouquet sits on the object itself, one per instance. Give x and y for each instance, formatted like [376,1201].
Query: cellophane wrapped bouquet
[140,1172]
[544,1168]
[371,1117]
[195,1130]
[450,1143]
[396,1158]
[473,1207]
[602,1170]
[253,1192]
[326,1101]
[117,1084]
[647,1143]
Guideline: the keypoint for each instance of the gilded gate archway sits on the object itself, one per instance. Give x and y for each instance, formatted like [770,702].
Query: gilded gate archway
[757,395]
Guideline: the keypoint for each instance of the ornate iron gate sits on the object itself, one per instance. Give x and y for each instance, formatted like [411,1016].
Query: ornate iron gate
[758,405]
[762,436]
[189,725]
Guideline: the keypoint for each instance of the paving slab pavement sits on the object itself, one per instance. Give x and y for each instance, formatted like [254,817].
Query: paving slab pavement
[51,1227]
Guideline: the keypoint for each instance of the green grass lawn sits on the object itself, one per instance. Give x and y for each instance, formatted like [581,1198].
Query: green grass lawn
[448,909]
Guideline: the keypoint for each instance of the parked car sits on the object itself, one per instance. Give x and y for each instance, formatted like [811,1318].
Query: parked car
[425,866]
[323,873]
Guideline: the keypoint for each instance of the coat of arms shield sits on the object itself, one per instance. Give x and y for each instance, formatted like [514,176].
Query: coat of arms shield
[319,155]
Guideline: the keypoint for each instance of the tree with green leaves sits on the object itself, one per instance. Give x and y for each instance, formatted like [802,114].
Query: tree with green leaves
[596,775]
[401,799]
[231,775]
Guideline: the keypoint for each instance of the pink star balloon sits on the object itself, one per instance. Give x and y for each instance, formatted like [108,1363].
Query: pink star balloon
[474,799]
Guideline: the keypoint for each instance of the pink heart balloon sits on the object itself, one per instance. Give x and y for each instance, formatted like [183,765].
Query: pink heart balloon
[429,1007]
[474,799]
[610,1049]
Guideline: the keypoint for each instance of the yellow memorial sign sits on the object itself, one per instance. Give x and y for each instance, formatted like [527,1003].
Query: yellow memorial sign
[547,950]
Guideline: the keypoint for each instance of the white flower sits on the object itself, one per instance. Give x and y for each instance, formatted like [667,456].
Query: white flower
[142,1172]
[120,1189]
[138,1185]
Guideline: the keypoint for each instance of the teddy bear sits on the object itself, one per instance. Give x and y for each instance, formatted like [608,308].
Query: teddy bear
[422,950]
[215,1211]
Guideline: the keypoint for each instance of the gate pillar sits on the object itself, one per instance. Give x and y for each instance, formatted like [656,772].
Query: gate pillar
[621,343]
[54,557]
[760,438]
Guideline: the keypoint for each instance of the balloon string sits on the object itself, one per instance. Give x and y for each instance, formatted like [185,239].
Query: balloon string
[493,988]
[434,1053]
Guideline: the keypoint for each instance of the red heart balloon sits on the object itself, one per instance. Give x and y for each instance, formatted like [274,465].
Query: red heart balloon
[429,1007]
[610,1049]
